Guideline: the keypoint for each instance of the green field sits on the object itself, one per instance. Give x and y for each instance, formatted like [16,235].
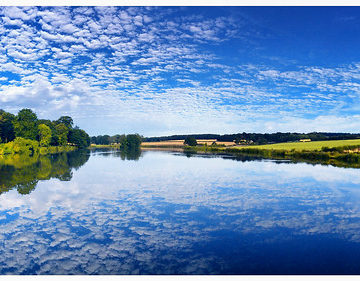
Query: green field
[310,146]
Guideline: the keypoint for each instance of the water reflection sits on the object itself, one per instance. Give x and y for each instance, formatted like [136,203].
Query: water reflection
[170,214]
[23,172]
[128,154]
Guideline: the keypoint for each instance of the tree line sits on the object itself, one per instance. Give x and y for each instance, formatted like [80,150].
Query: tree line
[26,125]
[257,138]
[129,142]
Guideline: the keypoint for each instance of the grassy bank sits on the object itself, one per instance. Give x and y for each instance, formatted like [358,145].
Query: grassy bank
[343,153]
[180,143]
[308,146]
[104,145]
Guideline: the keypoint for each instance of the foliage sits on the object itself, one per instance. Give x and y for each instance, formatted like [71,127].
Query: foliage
[19,146]
[105,139]
[261,138]
[126,142]
[25,146]
[191,141]
[44,134]
[67,121]
[61,133]
[25,124]
[133,141]
[119,138]
[6,126]
[79,137]
[310,146]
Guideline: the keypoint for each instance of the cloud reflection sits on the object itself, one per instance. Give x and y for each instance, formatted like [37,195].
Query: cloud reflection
[165,214]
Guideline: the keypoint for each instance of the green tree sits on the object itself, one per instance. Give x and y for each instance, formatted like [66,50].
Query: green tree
[121,139]
[61,133]
[133,141]
[6,126]
[123,142]
[105,139]
[47,122]
[45,135]
[67,121]
[25,124]
[51,125]
[191,141]
[79,137]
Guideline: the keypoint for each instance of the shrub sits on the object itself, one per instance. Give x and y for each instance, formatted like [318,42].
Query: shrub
[21,145]
[191,141]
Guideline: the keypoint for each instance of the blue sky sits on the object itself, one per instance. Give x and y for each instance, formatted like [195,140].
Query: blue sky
[178,70]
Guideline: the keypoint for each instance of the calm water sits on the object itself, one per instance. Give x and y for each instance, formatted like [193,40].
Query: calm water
[168,213]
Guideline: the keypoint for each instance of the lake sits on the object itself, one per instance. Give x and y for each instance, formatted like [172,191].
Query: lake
[154,212]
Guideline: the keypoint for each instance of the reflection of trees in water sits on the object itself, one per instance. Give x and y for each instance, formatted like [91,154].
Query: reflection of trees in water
[188,153]
[23,172]
[237,157]
[129,154]
[133,153]
[346,162]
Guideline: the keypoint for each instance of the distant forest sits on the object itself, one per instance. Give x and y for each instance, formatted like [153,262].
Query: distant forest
[128,142]
[260,138]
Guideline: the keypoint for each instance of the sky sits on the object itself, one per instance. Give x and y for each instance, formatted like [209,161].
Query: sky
[181,70]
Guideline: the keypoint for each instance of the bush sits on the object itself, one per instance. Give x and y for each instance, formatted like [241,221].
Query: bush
[20,146]
[27,146]
[191,141]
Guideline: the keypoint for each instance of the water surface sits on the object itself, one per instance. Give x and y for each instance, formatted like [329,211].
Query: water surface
[171,213]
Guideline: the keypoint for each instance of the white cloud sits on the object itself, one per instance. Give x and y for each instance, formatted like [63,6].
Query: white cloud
[9,21]
[69,28]
[25,13]
[136,58]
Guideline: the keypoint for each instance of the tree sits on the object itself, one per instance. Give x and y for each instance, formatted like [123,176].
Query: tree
[117,138]
[62,133]
[44,134]
[133,141]
[79,137]
[191,141]
[105,139]
[6,126]
[25,124]
[121,140]
[93,140]
[51,125]
[67,121]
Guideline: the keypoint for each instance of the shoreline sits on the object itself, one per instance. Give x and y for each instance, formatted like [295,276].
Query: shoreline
[334,158]
[344,153]
[338,156]
[28,147]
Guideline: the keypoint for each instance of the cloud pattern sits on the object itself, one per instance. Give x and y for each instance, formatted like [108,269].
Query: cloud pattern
[156,70]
